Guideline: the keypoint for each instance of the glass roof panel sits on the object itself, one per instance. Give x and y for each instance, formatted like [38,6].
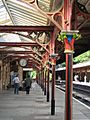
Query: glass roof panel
[50,5]
[4,17]
[25,12]
[44,5]
[10,38]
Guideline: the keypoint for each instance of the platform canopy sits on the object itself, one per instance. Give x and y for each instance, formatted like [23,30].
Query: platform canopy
[26,26]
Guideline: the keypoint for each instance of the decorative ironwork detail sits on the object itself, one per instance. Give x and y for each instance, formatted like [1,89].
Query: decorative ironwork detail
[45,6]
[42,37]
[69,37]
[83,7]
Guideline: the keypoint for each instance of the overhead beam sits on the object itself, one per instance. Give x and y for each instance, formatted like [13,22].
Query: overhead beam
[23,52]
[26,28]
[36,59]
[18,44]
[31,62]
[19,56]
[15,52]
[34,52]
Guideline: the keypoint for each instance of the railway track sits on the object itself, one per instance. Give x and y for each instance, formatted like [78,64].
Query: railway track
[83,89]
[81,93]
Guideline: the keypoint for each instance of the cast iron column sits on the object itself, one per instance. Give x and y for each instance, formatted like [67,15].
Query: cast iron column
[43,79]
[68,92]
[45,83]
[48,83]
[40,78]
[69,37]
[53,58]
[53,91]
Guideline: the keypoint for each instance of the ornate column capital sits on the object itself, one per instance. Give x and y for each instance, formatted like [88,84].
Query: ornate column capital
[69,36]
[53,58]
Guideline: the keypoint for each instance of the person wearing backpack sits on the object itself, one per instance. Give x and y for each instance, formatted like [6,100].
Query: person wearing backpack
[16,81]
[28,83]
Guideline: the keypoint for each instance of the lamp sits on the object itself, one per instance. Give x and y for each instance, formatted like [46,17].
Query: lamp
[53,55]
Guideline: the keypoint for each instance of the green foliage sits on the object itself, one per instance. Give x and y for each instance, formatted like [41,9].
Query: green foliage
[76,36]
[79,59]
[82,58]
[33,74]
[63,35]
[50,76]
[63,64]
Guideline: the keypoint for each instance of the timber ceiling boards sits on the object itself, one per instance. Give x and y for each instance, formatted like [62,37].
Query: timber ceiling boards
[4,16]
[24,14]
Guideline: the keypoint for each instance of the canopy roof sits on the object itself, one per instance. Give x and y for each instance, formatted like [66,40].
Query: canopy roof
[40,13]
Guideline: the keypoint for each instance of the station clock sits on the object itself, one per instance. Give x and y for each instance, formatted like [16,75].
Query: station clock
[23,62]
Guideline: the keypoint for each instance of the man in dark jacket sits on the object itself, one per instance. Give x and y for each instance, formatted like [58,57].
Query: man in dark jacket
[28,83]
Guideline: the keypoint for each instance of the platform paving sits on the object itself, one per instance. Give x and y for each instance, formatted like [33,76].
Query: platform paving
[35,107]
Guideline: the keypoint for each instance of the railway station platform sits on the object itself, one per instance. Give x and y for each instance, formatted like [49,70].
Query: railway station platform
[35,107]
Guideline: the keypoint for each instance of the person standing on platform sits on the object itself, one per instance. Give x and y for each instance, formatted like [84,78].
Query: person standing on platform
[76,78]
[28,83]
[16,81]
[85,78]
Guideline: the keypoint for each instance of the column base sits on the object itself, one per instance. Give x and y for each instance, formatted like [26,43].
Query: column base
[52,107]
[48,96]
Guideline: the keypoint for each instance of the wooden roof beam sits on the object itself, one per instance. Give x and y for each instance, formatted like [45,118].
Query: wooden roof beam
[18,44]
[15,52]
[26,28]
